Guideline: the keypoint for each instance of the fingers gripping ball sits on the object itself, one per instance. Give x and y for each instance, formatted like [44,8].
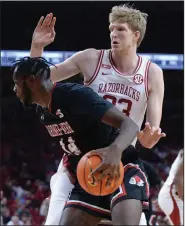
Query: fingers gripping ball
[85,166]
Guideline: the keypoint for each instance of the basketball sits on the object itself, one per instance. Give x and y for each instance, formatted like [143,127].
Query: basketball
[85,166]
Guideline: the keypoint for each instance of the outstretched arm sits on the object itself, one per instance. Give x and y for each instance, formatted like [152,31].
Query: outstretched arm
[43,35]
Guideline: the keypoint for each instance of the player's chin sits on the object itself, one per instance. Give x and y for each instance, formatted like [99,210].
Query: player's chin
[115,46]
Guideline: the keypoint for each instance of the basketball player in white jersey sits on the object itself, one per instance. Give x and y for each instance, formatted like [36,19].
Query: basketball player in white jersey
[119,75]
[171,195]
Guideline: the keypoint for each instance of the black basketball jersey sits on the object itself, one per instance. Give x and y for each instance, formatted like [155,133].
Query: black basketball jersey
[75,118]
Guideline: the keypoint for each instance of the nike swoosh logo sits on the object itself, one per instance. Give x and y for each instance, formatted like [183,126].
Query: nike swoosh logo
[103,73]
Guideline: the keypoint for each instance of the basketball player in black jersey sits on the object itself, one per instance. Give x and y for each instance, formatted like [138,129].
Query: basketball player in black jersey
[83,122]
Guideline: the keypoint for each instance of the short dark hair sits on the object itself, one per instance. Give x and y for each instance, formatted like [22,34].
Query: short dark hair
[28,66]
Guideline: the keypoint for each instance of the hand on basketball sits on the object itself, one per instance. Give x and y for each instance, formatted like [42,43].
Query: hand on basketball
[150,136]
[44,33]
[110,164]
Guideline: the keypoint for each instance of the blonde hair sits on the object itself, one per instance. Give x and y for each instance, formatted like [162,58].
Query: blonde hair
[136,19]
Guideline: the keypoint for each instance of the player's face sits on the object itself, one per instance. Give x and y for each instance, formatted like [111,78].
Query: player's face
[23,92]
[122,37]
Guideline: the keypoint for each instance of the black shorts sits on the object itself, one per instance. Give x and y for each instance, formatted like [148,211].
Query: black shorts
[135,186]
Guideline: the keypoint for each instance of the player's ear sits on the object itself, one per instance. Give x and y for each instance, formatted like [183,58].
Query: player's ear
[137,35]
[31,80]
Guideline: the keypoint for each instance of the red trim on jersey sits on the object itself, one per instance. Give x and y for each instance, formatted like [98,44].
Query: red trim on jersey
[137,67]
[66,164]
[146,78]
[175,215]
[130,165]
[95,208]
[120,195]
[49,106]
[97,69]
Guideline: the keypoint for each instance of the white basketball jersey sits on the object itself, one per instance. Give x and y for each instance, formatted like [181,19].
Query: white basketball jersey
[128,93]
[173,169]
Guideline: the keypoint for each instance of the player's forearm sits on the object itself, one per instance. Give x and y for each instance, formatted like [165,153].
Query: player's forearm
[55,74]
[154,114]
[128,132]
[154,121]
[36,51]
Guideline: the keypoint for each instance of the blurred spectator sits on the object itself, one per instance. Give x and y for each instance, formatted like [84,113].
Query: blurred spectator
[44,207]
[26,218]
[6,215]
[15,221]
[1,220]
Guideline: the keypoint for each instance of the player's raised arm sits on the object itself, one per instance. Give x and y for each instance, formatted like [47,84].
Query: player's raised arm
[43,35]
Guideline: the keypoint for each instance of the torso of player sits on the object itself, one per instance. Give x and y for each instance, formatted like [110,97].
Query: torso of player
[77,133]
[128,93]
[173,169]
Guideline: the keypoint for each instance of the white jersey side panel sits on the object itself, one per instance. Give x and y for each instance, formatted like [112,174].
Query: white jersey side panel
[173,169]
[128,93]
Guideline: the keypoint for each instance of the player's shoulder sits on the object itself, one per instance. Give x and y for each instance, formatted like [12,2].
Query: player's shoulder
[92,53]
[155,69]
[86,54]
[155,73]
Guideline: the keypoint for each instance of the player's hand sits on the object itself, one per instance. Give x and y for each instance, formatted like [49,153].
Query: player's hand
[150,136]
[110,165]
[44,33]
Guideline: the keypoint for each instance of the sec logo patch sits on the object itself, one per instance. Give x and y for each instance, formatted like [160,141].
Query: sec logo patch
[138,79]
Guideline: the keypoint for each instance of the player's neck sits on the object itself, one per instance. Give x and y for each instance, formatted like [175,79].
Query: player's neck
[125,62]
[44,97]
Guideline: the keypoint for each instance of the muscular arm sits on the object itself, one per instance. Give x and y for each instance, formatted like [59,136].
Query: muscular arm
[87,102]
[128,128]
[156,95]
[179,178]
[75,64]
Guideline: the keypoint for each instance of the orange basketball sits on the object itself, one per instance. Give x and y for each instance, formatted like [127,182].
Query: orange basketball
[85,166]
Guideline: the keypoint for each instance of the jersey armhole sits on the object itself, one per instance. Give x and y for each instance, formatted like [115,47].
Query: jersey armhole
[97,69]
[146,78]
